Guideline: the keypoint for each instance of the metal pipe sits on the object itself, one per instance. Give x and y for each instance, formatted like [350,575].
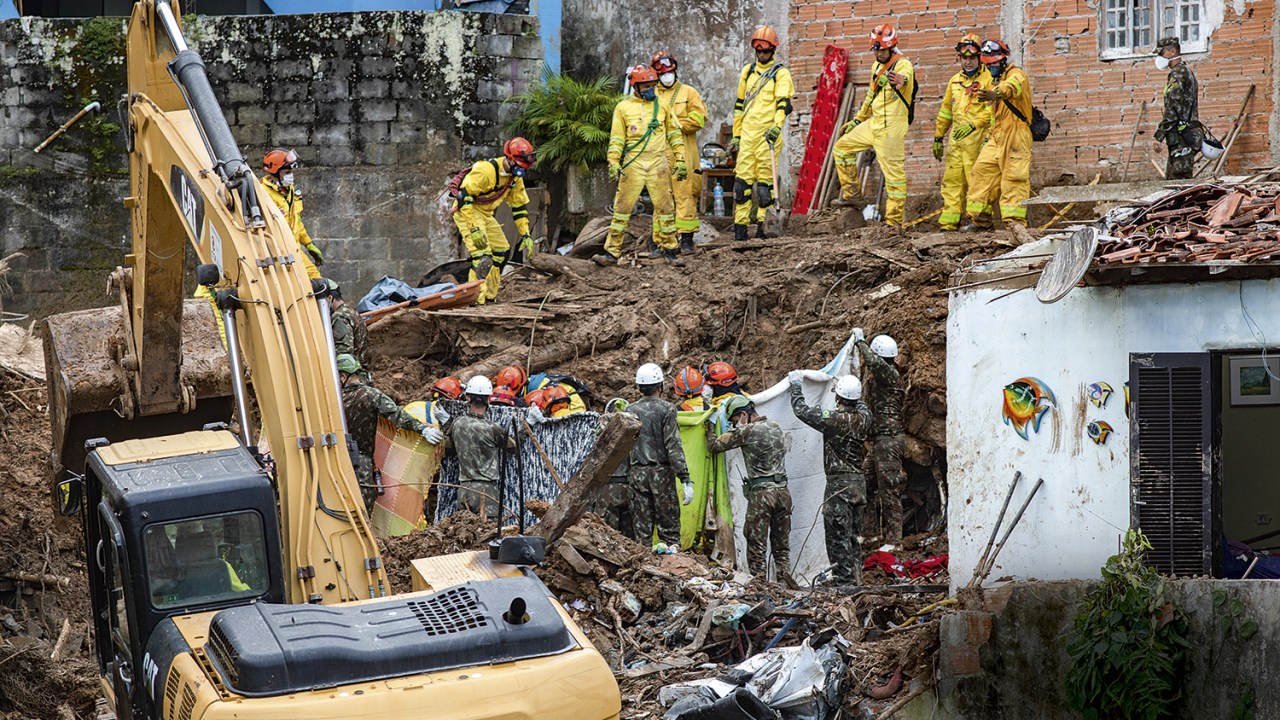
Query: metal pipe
[170,25]
[95,105]
[237,373]
[333,359]
[995,529]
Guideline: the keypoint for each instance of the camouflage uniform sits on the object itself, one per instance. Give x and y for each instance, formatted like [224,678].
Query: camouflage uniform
[656,461]
[764,450]
[1180,126]
[844,431]
[478,443]
[887,440]
[362,404]
[613,501]
[351,336]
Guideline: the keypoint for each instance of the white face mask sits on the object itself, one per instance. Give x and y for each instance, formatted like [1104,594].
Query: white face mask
[1162,62]
[286,179]
[667,79]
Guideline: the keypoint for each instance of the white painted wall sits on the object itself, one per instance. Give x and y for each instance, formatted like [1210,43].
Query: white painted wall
[1075,521]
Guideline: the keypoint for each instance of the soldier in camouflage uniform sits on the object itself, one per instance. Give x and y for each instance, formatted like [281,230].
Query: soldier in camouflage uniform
[764,451]
[613,501]
[350,334]
[844,430]
[656,461]
[887,438]
[362,404]
[1179,128]
[478,443]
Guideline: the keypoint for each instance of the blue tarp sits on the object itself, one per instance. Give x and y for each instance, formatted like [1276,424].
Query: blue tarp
[390,291]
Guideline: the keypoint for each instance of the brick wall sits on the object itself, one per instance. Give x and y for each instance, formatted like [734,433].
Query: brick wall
[381,107]
[1094,104]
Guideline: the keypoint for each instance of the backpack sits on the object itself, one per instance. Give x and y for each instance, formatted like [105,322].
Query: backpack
[457,193]
[1039,122]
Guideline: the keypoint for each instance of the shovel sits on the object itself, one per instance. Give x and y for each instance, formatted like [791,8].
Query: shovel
[774,217]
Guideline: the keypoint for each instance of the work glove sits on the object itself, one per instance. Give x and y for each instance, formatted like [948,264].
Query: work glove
[961,131]
[432,435]
[526,244]
[937,148]
[317,257]
[682,170]
[534,416]
[849,126]
[795,377]
[615,170]
[734,142]
[479,241]
[772,134]
[688,491]
[717,419]
[440,415]
[858,335]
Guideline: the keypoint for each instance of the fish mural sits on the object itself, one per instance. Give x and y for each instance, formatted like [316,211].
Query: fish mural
[1099,393]
[1026,401]
[1099,431]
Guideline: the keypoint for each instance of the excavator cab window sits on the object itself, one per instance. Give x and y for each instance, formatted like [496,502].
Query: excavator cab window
[206,560]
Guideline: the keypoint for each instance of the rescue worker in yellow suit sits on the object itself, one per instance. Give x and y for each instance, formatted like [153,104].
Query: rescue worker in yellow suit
[280,164]
[764,102]
[968,119]
[880,124]
[488,184]
[685,103]
[1003,167]
[642,140]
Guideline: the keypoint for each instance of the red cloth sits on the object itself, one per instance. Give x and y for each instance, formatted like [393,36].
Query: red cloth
[892,565]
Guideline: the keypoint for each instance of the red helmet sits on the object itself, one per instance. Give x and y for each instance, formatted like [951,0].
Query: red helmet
[449,387]
[641,74]
[537,398]
[764,38]
[884,37]
[502,395]
[279,159]
[521,152]
[555,395]
[993,51]
[721,374]
[513,376]
[689,382]
[663,61]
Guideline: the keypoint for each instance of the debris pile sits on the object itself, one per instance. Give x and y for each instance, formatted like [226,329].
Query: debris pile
[1202,223]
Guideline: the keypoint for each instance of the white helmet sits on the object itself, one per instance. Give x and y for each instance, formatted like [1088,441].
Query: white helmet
[849,388]
[479,385]
[649,374]
[884,346]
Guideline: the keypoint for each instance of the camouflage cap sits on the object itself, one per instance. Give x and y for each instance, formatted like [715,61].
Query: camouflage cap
[348,364]
[1169,41]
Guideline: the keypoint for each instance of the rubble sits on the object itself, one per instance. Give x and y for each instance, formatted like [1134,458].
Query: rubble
[1202,223]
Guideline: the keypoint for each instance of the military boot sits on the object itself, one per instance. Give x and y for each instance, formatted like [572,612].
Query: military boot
[760,231]
[604,259]
[739,232]
[686,243]
[672,259]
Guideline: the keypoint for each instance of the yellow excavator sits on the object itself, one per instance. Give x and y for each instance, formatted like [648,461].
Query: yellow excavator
[231,583]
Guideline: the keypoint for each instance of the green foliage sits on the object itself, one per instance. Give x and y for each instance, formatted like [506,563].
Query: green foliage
[1129,645]
[567,120]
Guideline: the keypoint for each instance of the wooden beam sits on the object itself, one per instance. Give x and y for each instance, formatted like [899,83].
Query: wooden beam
[617,436]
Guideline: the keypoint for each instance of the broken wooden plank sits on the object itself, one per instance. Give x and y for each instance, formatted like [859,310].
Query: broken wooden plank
[574,558]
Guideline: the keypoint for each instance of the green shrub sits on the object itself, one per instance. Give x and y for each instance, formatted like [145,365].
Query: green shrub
[567,120]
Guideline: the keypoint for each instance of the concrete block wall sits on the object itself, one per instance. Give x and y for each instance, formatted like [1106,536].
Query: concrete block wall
[382,108]
[1094,104]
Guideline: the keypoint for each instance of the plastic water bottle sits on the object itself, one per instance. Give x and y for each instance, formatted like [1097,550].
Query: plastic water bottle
[718,194]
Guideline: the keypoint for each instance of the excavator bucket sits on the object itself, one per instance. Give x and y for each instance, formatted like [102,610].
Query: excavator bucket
[85,361]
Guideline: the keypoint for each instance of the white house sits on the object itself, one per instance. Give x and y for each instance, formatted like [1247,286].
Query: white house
[1187,343]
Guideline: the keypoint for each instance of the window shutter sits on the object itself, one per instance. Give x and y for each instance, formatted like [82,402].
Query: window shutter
[1170,459]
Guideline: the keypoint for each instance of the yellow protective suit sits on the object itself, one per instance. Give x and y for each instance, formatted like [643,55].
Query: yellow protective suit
[883,127]
[643,139]
[1003,167]
[289,200]
[685,104]
[487,185]
[764,101]
[961,104]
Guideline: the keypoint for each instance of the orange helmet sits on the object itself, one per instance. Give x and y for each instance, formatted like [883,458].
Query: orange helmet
[641,74]
[537,398]
[969,45]
[521,152]
[764,38]
[721,374]
[689,382]
[555,395]
[502,395]
[663,61]
[449,387]
[279,159]
[884,37]
[993,51]
[513,376]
